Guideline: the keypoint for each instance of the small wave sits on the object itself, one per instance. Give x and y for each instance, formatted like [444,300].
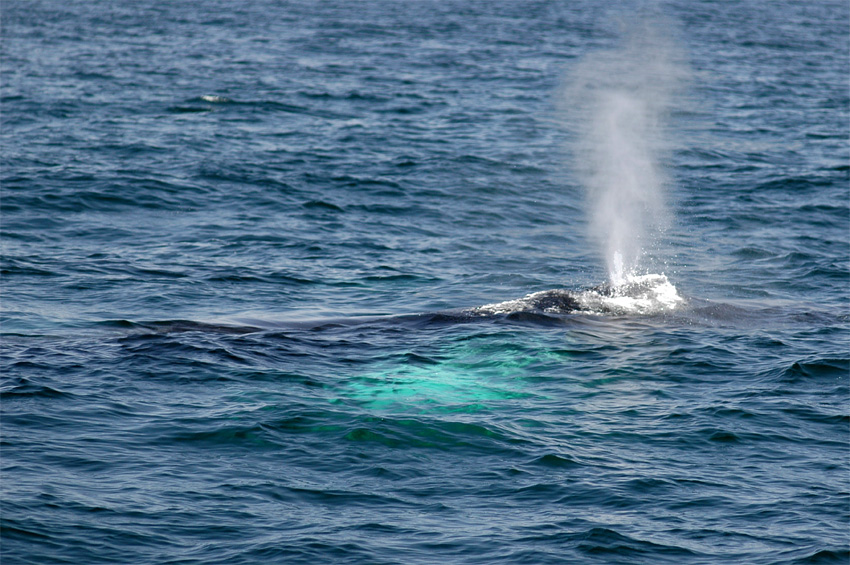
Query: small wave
[215,99]
[823,368]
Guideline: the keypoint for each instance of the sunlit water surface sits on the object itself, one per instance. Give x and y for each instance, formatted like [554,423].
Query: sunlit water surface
[300,282]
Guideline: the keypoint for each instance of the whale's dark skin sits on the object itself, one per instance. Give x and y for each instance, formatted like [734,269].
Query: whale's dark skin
[558,301]
[545,307]
[555,301]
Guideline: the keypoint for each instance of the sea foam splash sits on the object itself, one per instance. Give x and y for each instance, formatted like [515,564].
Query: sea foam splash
[638,294]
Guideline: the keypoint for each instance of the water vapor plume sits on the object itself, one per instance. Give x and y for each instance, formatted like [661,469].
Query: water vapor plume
[617,101]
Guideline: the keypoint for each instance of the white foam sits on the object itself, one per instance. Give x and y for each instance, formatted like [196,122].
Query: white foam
[638,294]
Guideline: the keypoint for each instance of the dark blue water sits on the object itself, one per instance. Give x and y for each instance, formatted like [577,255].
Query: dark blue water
[247,249]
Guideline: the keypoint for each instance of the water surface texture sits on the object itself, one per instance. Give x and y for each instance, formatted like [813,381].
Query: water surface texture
[331,282]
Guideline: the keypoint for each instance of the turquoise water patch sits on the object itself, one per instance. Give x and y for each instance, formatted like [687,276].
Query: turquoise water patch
[469,376]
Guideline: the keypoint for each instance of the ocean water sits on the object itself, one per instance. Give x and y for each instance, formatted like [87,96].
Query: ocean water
[425,282]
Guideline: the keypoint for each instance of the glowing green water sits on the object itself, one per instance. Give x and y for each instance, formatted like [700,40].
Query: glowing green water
[469,375]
